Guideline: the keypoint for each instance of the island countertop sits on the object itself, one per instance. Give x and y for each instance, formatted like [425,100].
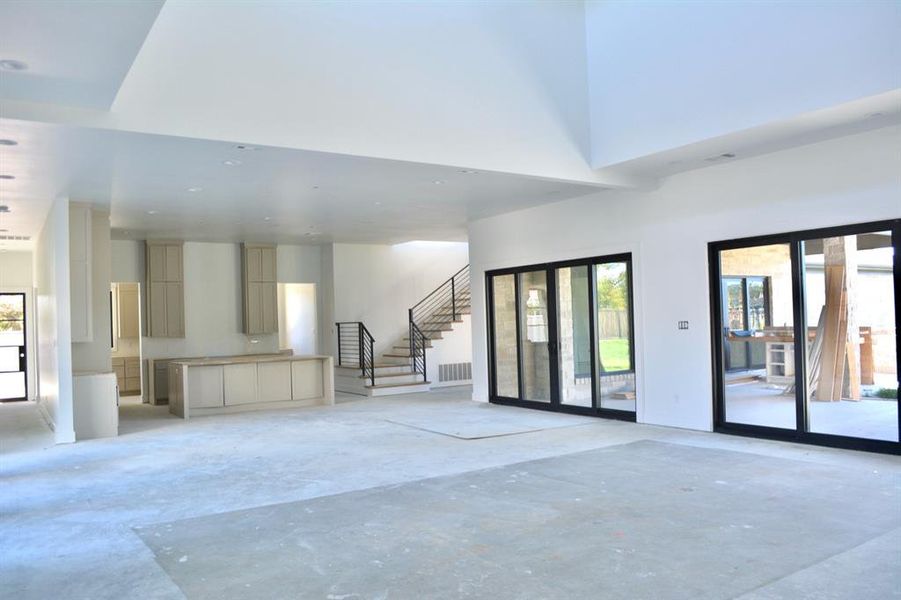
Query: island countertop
[247,358]
[214,385]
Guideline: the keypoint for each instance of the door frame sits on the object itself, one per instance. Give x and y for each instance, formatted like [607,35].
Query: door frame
[554,404]
[23,358]
[800,434]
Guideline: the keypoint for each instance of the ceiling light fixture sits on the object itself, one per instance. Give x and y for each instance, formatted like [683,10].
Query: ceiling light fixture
[12,65]
[7,176]
[469,171]
[153,212]
[6,142]
[438,182]
[267,218]
[231,162]
[195,189]
[245,147]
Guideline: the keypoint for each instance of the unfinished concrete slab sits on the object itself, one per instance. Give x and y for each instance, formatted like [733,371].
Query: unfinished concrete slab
[68,513]
[635,521]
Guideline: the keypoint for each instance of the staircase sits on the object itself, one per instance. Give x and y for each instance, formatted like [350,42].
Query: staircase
[404,368]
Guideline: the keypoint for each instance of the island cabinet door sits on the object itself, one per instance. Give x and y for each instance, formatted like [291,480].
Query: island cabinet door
[240,381]
[274,380]
[306,379]
[205,387]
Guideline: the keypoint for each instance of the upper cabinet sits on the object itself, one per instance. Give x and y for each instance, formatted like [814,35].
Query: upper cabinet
[80,278]
[165,287]
[258,262]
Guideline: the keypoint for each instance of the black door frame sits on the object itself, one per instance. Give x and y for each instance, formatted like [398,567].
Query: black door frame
[553,339]
[745,299]
[23,349]
[800,434]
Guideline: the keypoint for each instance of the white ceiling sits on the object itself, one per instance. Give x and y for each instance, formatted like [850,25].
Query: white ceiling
[77,53]
[274,194]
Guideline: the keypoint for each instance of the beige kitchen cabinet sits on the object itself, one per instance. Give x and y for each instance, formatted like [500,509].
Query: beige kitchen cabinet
[306,380]
[205,386]
[165,283]
[80,273]
[127,303]
[128,374]
[240,383]
[259,277]
[274,381]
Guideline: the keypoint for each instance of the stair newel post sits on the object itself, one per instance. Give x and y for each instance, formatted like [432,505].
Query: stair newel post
[412,341]
[424,377]
[360,347]
[453,300]
[338,325]
[372,354]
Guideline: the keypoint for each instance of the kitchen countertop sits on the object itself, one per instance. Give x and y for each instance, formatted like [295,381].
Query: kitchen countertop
[239,360]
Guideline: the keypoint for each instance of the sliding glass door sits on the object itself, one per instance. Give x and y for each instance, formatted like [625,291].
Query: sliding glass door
[561,336]
[806,338]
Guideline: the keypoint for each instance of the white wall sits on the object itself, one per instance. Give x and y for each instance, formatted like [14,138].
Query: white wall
[377,284]
[453,347]
[466,83]
[16,275]
[665,74]
[53,324]
[848,180]
[213,302]
[95,355]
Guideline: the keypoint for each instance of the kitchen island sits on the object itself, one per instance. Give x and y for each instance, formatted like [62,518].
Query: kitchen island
[202,386]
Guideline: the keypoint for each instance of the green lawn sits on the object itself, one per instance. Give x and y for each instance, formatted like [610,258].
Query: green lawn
[615,354]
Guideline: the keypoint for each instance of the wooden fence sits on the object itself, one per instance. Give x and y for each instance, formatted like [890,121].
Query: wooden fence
[613,323]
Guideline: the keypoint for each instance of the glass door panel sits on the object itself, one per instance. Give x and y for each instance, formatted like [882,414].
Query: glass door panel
[534,347]
[758,336]
[574,336]
[506,372]
[852,371]
[616,373]
[12,347]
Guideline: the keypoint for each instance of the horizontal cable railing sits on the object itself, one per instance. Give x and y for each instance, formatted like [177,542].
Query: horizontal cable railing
[435,313]
[356,348]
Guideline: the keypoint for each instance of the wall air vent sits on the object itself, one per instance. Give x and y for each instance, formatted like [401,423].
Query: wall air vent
[15,238]
[455,372]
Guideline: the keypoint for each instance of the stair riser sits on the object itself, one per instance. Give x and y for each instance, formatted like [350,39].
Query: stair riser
[407,389]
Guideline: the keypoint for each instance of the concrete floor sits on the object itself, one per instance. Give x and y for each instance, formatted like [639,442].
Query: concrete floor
[406,497]
[763,404]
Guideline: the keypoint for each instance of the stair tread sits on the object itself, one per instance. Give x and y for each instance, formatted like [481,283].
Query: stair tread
[394,385]
[382,376]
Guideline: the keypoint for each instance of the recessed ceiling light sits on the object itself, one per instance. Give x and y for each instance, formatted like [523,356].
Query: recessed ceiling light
[195,189]
[7,176]
[6,142]
[12,65]
[378,203]
[153,212]
[311,233]
[267,218]
[469,171]
[438,182]
[315,187]
[245,147]
[231,162]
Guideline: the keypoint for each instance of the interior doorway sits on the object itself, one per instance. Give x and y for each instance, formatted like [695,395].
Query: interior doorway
[125,340]
[297,318]
[13,351]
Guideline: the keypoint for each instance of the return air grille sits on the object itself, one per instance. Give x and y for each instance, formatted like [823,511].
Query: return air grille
[455,372]
[15,238]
